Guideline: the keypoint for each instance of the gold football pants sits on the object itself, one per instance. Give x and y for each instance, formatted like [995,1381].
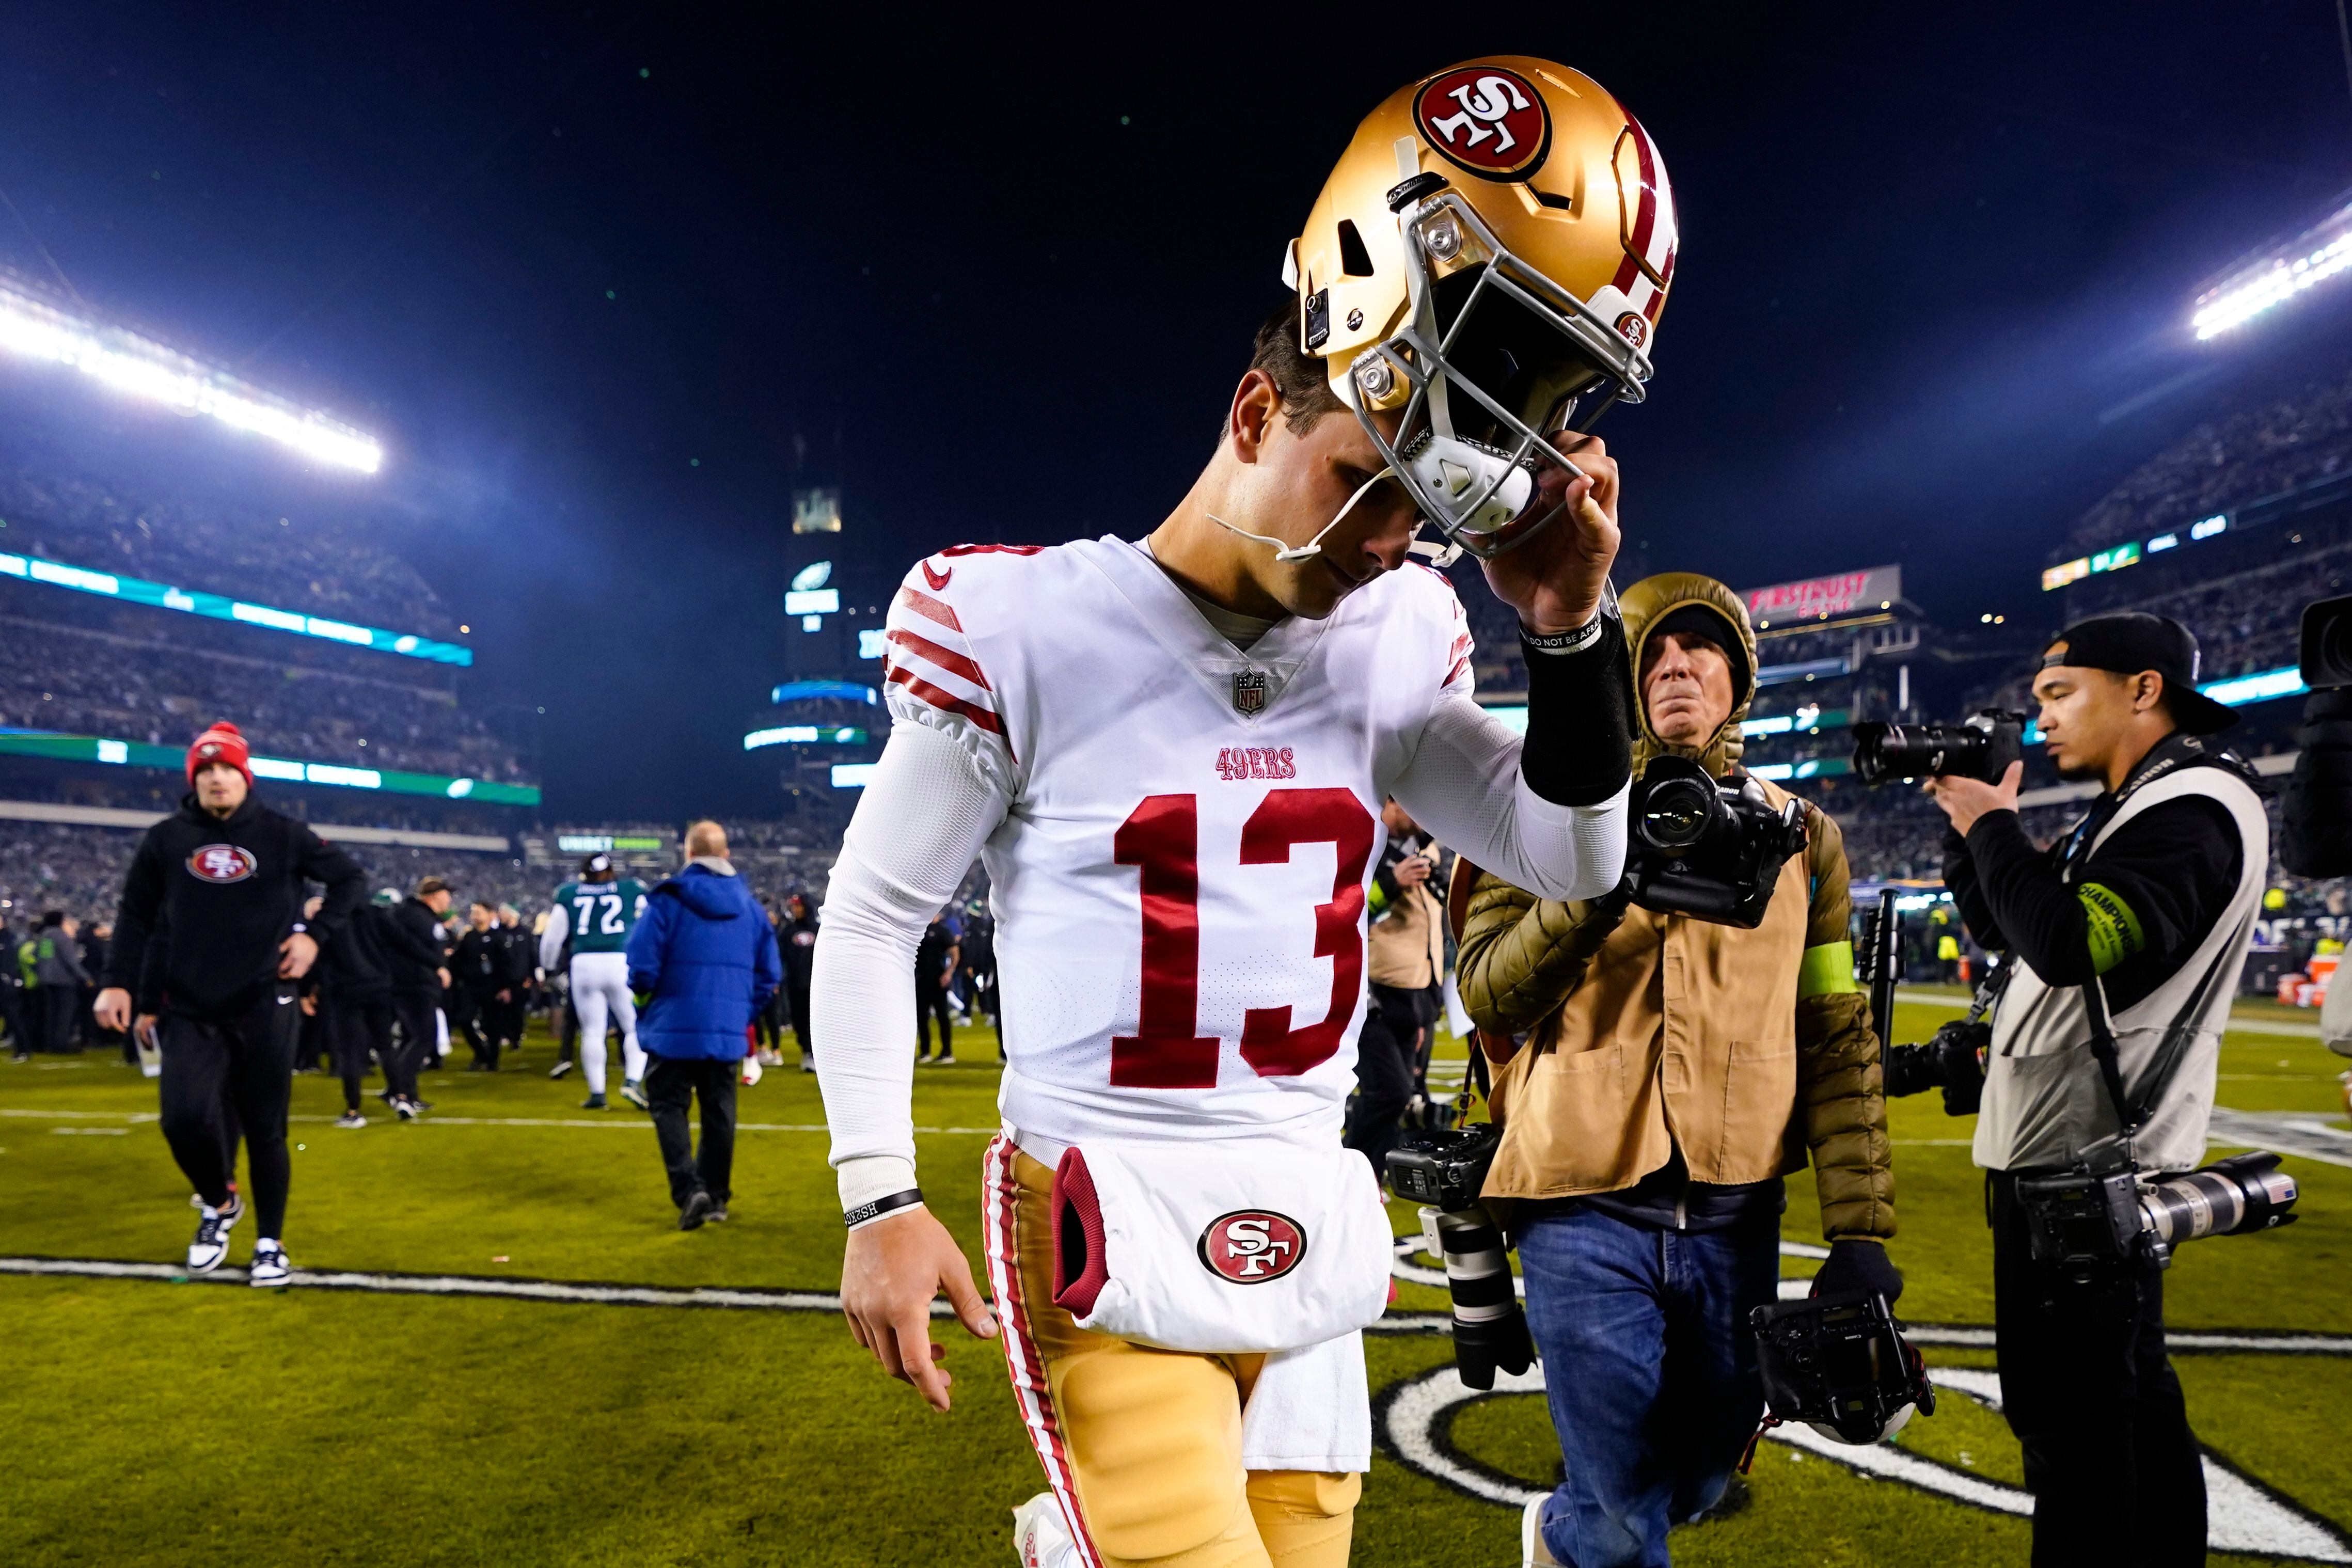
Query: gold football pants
[1142,1446]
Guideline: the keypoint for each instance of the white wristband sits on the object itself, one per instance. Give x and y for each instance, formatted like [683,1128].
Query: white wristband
[864,1180]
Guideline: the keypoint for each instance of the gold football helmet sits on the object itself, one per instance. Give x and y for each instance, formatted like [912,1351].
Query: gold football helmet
[1487,262]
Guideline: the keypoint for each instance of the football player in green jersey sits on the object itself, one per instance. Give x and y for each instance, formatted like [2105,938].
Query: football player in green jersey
[595,916]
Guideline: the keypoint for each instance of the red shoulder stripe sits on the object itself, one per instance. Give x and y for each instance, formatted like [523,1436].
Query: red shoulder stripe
[948,702]
[947,659]
[930,609]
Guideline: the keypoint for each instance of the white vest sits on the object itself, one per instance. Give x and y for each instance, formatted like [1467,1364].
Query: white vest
[2044,1100]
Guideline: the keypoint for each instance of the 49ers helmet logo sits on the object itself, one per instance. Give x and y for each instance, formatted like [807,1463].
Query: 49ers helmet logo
[1487,119]
[222,863]
[1251,1245]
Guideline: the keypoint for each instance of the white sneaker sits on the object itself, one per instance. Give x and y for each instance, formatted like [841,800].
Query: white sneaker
[752,1070]
[210,1245]
[269,1265]
[1041,1536]
[1533,1552]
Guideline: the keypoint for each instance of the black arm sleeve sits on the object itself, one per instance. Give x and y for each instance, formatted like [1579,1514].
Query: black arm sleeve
[2167,875]
[134,917]
[2028,901]
[1578,749]
[346,883]
[1960,880]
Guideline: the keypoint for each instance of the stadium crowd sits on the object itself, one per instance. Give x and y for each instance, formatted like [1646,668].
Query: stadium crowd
[166,527]
[83,681]
[2291,441]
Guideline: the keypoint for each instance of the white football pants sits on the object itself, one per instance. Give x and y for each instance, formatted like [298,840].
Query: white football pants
[600,992]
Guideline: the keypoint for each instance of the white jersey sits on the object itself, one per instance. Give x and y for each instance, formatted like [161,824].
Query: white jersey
[1180,878]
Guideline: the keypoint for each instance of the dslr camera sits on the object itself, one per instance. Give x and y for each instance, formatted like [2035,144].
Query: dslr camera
[1840,1363]
[1952,1060]
[2100,1213]
[1443,1170]
[1980,747]
[1706,849]
[2316,839]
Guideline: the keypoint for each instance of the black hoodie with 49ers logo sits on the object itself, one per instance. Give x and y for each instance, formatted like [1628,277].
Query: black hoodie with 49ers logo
[218,896]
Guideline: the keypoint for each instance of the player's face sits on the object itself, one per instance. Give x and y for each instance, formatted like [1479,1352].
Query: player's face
[1302,482]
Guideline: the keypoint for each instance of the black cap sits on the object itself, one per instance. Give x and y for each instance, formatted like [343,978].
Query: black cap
[2133,640]
[1708,622]
[592,865]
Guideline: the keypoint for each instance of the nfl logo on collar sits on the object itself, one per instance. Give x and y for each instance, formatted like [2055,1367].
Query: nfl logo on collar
[1249,691]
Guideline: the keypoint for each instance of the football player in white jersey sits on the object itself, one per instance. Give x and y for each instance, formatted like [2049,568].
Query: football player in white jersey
[1170,752]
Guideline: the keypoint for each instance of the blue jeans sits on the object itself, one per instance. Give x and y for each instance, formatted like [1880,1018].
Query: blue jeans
[1649,1370]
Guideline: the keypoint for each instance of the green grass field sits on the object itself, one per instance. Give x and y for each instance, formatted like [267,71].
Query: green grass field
[148,1421]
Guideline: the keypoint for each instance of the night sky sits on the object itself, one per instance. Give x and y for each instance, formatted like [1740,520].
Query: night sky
[609,284]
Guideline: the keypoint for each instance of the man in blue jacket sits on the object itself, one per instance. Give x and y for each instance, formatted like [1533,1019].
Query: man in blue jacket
[702,963]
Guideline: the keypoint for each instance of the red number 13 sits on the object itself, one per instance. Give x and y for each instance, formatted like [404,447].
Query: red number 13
[1161,838]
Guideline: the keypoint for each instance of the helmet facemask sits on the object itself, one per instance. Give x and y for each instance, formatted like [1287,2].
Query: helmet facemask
[1493,362]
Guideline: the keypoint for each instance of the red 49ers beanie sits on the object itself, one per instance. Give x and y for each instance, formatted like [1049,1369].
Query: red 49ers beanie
[222,742]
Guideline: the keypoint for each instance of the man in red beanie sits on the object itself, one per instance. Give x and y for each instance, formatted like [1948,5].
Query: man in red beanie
[223,879]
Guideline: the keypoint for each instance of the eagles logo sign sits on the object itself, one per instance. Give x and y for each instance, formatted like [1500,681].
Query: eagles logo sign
[222,863]
[1251,1246]
[1487,119]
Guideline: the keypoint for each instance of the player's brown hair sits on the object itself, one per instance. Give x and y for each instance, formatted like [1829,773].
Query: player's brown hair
[1307,395]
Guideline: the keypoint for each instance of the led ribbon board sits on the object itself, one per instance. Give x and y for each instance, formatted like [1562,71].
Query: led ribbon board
[805,734]
[220,607]
[65,748]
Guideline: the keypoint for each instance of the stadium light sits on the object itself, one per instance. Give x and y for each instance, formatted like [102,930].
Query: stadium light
[144,368]
[2276,275]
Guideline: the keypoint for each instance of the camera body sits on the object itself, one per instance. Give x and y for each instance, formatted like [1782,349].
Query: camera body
[1703,847]
[1952,1060]
[1443,1170]
[1840,1363]
[1444,1167]
[2098,1215]
[1980,747]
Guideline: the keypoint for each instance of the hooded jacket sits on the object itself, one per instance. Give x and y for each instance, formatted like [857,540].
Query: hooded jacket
[227,890]
[704,954]
[1646,1035]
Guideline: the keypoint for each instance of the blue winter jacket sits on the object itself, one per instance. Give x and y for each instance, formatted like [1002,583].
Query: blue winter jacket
[705,953]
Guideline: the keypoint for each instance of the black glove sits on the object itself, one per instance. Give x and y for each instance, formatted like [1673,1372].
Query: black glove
[1858,1266]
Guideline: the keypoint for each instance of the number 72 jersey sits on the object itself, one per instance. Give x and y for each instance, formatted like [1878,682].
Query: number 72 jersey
[599,915]
[1179,883]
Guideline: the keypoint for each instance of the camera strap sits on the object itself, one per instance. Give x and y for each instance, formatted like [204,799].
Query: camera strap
[2177,1038]
[2103,1049]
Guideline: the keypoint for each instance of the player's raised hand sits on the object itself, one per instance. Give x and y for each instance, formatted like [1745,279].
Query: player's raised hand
[889,1272]
[1555,579]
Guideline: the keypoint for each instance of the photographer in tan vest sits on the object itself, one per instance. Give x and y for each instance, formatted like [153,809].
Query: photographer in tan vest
[1667,1072]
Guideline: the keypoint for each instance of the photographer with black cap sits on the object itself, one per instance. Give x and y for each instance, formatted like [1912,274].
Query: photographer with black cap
[2124,943]
[1680,1057]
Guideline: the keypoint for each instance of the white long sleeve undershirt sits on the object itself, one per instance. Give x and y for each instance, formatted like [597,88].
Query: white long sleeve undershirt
[929,809]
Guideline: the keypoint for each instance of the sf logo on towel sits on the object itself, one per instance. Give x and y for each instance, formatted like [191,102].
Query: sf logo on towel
[1251,1245]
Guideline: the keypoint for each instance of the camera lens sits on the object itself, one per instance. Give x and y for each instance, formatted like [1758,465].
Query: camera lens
[1675,816]
[2328,642]
[1885,751]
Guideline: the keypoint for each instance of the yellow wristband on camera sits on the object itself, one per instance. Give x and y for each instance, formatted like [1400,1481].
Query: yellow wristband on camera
[1826,970]
[2113,929]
